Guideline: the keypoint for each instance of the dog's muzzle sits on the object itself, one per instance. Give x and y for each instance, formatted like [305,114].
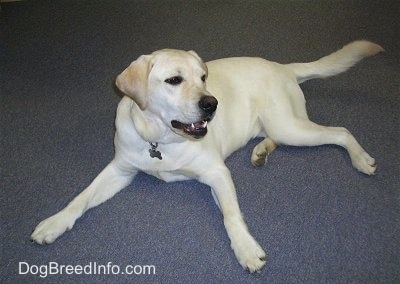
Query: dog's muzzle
[198,129]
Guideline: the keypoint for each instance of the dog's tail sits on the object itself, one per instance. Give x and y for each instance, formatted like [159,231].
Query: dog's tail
[336,62]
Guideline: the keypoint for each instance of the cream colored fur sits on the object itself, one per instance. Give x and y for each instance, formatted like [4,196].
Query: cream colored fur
[255,97]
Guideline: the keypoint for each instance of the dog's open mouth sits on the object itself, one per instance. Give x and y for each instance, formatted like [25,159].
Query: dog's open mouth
[196,129]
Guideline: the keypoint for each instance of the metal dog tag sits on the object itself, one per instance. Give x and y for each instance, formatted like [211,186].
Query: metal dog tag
[153,151]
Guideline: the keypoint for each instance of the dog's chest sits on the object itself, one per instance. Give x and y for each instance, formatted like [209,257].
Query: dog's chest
[166,169]
[162,162]
[169,176]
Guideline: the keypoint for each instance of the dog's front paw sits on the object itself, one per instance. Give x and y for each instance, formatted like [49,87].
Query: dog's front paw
[249,253]
[51,228]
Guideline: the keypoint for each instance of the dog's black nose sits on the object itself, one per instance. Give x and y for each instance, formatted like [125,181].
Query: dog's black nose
[208,104]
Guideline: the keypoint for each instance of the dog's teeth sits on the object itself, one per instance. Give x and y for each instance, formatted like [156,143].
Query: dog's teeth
[192,125]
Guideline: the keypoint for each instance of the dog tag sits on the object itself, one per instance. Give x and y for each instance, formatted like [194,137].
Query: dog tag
[153,151]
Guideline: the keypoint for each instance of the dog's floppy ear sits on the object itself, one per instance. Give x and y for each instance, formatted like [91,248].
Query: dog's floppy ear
[192,52]
[133,80]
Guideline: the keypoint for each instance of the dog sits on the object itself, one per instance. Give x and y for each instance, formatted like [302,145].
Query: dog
[180,118]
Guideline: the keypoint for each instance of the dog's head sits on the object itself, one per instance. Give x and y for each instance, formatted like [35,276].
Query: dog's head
[171,86]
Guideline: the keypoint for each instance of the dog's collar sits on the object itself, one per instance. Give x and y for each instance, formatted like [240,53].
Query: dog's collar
[153,151]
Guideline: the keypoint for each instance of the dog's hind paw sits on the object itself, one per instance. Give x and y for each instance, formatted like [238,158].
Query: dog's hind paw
[261,152]
[364,163]
[259,159]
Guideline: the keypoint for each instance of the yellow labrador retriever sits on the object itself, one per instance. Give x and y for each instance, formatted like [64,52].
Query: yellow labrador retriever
[168,126]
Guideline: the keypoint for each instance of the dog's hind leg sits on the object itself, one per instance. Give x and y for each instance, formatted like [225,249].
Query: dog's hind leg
[261,152]
[302,132]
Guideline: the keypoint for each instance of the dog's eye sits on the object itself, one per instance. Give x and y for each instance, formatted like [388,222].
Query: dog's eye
[176,80]
[203,78]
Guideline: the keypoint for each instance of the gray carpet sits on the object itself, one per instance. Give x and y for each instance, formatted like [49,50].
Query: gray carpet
[319,220]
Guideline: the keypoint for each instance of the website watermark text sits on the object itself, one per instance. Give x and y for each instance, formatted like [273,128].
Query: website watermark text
[92,268]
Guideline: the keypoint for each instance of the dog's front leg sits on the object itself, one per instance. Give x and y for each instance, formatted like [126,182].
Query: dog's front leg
[111,180]
[248,252]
